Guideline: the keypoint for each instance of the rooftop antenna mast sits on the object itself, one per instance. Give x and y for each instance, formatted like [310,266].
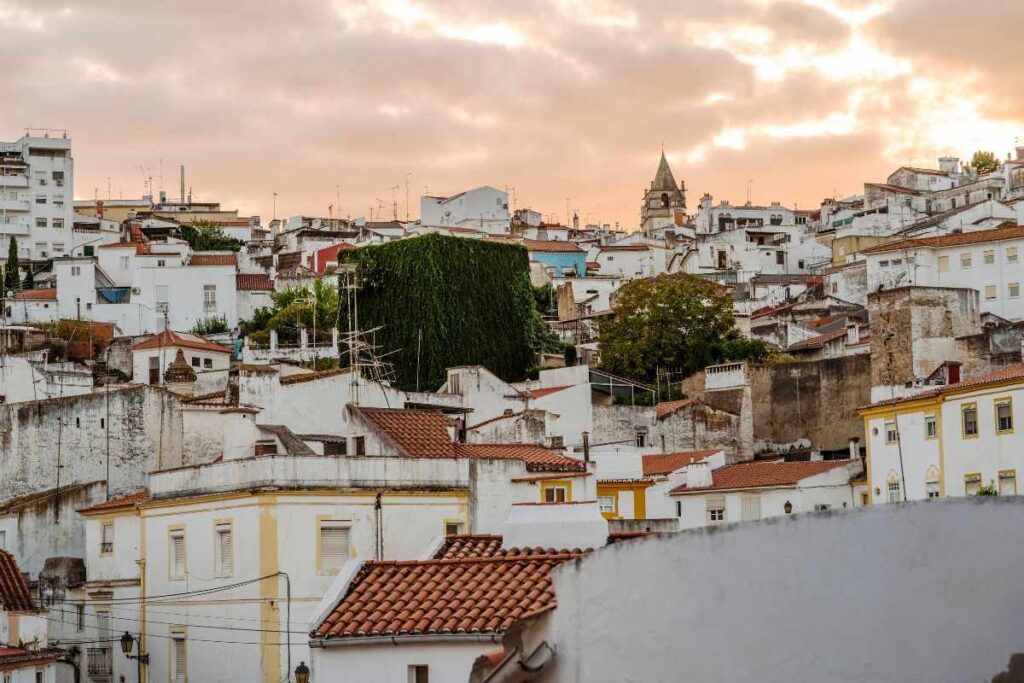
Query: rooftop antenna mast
[363,354]
[394,201]
[407,176]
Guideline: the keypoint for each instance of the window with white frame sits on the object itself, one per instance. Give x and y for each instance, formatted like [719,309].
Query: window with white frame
[931,427]
[715,506]
[418,673]
[969,418]
[1011,254]
[640,435]
[890,432]
[989,257]
[224,557]
[334,544]
[453,528]
[107,538]
[990,292]
[1008,482]
[209,298]
[972,483]
[965,261]
[1013,290]
[1004,415]
[122,262]
[176,555]
[606,504]
[894,491]
[931,489]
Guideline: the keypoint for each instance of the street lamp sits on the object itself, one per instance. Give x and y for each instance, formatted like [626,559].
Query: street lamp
[302,673]
[127,643]
[788,507]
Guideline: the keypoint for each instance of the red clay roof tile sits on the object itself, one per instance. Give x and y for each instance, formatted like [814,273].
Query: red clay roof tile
[183,339]
[667,463]
[666,408]
[253,282]
[128,501]
[955,239]
[750,475]
[200,259]
[49,294]
[14,593]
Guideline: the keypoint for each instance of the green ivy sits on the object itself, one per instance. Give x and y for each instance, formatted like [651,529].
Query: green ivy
[462,301]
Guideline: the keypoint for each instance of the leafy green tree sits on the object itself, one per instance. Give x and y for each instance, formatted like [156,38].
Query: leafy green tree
[676,321]
[295,308]
[204,235]
[983,162]
[212,325]
[11,282]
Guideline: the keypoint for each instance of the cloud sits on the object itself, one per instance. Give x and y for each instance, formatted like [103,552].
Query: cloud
[555,98]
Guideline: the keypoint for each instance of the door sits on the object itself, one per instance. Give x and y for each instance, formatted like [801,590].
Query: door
[154,370]
[751,508]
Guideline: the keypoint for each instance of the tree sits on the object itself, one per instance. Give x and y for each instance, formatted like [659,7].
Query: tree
[207,236]
[11,282]
[983,162]
[30,279]
[679,322]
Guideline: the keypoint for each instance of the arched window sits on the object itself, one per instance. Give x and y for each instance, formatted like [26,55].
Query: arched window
[892,483]
[664,200]
[931,482]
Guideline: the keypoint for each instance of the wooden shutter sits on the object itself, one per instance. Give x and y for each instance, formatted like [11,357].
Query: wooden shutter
[334,544]
[225,553]
[178,555]
[751,508]
[180,660]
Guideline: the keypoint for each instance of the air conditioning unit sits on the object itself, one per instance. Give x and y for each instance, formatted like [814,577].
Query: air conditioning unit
[60,183]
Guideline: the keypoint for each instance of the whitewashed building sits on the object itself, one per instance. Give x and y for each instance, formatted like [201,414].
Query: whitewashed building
[484,208]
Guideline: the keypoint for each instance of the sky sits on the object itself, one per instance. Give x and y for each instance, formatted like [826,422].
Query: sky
[566,103]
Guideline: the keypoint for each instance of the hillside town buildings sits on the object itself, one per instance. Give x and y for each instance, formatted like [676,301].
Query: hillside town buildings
[183,485]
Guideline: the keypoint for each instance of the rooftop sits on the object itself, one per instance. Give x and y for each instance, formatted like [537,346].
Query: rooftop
[773,474]
[551,246]
[121,503]
[170,338]
[955,239]
[667,463]
[254,282]
[49,294]
[666,408]
[213,259]
[1012,373]
[817,342]
[14,592]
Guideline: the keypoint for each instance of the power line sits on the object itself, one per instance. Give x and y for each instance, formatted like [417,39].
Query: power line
[176,623]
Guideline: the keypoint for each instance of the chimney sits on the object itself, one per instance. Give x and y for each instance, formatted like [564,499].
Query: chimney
[586,447]
[555,525]
[854,449]
[698,475]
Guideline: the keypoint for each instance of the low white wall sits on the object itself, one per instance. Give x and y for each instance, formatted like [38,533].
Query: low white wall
[925,591]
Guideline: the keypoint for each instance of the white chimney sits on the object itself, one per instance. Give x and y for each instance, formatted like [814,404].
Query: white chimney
[698,475]
[555,525]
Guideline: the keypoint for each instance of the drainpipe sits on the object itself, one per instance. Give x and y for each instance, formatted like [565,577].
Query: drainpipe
[586,447]
[378,528]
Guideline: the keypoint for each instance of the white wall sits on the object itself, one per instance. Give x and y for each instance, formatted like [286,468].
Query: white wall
[856,596]
[447,661]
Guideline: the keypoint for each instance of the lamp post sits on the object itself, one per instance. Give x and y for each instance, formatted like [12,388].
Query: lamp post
[127,643]
[302,673]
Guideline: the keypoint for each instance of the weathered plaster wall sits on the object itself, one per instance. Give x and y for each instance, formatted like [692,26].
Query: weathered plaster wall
[809,404]
[145,434]
[895,605]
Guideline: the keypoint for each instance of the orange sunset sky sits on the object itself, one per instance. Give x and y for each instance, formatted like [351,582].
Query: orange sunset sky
[559,99]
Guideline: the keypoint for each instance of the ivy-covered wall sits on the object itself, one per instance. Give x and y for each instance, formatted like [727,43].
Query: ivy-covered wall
[470,298]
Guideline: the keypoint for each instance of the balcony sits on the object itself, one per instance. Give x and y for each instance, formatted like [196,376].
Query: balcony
[13,181]
[99,663]
[13,205]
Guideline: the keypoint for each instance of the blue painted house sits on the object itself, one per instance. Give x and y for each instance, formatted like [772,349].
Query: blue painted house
[563,257]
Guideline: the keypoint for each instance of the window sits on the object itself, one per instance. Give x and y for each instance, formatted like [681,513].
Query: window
[1004,415]
[58,178]
[1007,482]
[640,435]
[822,507]
[224,558]
[123,263]
[715,510]
[972,482]
[969,421]
[335,448]
[1013,290]
[990,292]
[606,504]
[360,445]
[943,264]
[176,554]
[897,262]
[894,491]
[556,493]
[160,263]
[79,618]
[40,222]
[107,538]
[679,508]
[267,447]
[890,432]
[1011,254]
[103,423]
[453,528]
[208,363]
[931,489]
[209,298]
[3,539]
[333,545]
[883,264]
[965,260]
[76,271]
[751,508]
[780,258]
[179,657]
[989,257]
[40,199]
[931,428]
[419,673]
[195,361]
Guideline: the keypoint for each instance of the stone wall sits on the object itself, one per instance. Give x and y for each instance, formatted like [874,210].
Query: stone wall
[144,434]
[809,404]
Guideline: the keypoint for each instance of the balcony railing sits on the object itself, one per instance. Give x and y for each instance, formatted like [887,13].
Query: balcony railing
[99,663]
[13,181]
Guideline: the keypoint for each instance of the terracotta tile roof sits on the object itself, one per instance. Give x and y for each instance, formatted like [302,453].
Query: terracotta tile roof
[896,189]
[14,593]
[955,239]
[625,247]
[666,408]
[200,259]
[473,595]
[118,245]
[214,398]
[253,282]
[1013,372]
[551,246]
[504,416]
[49,294]
[19,658]
[664,464]
[926,171]
[827,320]
[466,546]
[751,475]
[310,376]
[415,433]
[537,458]
[817,342]
[537,393]
[128,501]
[183,339]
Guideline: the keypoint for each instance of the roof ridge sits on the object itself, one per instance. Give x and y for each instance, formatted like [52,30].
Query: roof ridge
[562,554]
